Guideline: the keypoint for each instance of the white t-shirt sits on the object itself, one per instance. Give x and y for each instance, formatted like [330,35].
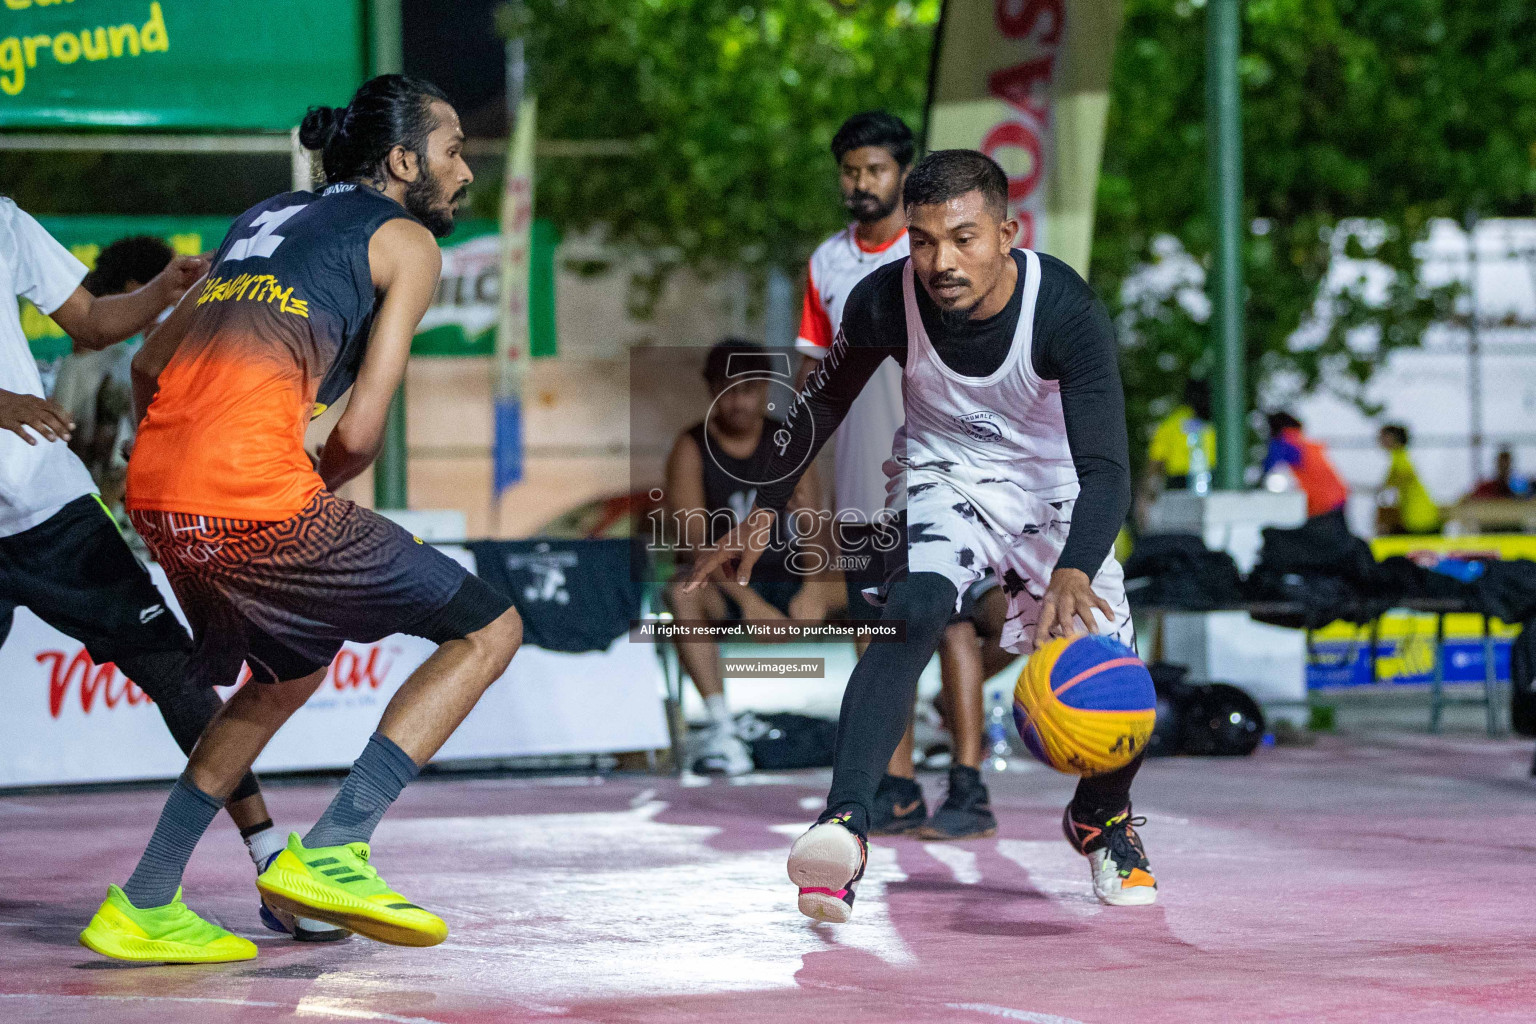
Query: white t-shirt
[862,443]
[35,480]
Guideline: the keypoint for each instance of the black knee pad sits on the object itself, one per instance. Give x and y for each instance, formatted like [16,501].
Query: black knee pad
[925,601]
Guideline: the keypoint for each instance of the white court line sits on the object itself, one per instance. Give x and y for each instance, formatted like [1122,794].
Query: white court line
[1056,870]
[354,1014]
[1010,1014]
[961,863]
[1005,1012]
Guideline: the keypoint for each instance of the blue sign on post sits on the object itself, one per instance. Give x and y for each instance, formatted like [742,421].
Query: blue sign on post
[508,456]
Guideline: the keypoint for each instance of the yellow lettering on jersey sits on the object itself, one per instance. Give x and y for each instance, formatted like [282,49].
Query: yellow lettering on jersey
[254,288]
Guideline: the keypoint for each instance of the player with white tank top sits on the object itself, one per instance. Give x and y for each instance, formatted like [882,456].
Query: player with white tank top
[1014,457]
[873,150]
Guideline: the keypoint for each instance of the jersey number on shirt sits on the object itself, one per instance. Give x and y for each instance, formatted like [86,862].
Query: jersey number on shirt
[263,242]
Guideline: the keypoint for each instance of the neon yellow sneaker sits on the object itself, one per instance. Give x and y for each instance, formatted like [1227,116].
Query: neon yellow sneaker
[336,884]
[169,934]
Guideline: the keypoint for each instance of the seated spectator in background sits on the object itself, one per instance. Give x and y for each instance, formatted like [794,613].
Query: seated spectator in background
[95,387]
[1505,484]
[1308,463]
[1183,438]
[1402,503]
[712,478]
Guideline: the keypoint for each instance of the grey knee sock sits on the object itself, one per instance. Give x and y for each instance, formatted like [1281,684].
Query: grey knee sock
[188,813]
[374,782]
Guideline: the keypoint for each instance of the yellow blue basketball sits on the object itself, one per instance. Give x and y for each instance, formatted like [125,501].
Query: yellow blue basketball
[1085,704]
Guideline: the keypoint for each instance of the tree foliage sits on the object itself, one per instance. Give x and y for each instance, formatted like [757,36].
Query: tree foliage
[730,104]
[1363,119]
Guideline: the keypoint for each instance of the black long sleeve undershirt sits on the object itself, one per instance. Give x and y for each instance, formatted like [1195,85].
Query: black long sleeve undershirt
[1073,343]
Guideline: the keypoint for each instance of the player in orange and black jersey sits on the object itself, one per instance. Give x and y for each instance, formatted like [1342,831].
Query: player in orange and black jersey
[310,296]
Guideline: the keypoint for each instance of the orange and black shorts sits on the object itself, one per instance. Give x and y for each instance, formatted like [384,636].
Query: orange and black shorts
[284,596]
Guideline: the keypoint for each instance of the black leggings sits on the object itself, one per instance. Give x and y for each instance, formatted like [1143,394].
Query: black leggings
[878,702]
[186,708]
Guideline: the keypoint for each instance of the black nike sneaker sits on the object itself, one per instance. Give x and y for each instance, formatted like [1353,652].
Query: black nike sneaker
[898,807]
[1122,877]
[966,812]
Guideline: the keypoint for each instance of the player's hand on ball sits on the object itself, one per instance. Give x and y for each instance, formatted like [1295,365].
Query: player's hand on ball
[18,413]
[741,548]
[1069,596]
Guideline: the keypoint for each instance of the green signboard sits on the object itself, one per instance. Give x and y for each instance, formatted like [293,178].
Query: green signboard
[183,64]
[460,322]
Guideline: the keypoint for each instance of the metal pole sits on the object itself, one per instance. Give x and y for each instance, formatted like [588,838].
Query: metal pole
[389,472]
[385,56]
[1224,145]
[1474,350]
[390,484]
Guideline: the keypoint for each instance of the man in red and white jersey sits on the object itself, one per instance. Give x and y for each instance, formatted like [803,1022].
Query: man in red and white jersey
[873,151]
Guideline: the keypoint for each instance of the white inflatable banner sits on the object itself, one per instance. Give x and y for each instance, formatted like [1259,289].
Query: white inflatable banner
[69,720]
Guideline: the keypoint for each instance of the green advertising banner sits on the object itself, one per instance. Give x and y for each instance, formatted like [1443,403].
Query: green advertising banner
[460,322]
[210,65]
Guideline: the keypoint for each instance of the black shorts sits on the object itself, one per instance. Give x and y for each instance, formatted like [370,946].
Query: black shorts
[76,573]
[284,596]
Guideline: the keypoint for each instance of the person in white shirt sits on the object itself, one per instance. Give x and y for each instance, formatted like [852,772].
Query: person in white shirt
[95,387]
[873,150]
[61,554]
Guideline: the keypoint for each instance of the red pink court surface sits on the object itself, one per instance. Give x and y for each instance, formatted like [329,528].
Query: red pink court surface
[1383,878]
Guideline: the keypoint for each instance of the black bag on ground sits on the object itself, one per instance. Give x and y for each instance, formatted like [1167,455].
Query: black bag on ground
[786,740]
[1219,720]
[1202,719]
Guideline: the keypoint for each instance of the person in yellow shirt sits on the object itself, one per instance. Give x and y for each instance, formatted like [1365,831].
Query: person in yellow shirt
[1403,505]
[1183,436]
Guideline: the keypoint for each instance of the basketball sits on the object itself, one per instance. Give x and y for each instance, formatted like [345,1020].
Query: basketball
[1085,704]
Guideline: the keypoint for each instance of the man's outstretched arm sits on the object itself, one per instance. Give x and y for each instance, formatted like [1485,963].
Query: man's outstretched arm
[96,322]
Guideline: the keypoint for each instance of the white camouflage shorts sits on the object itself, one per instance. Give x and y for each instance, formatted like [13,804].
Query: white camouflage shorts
[946,535]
